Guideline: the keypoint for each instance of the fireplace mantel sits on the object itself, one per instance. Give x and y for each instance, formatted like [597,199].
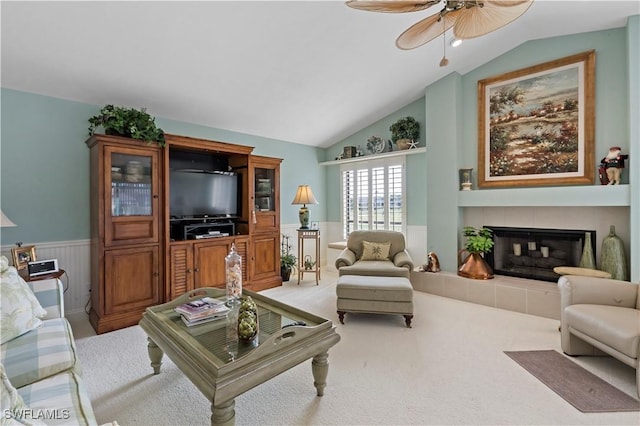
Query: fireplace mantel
[559,196]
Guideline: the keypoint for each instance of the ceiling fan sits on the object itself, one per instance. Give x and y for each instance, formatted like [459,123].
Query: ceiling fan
[469,18]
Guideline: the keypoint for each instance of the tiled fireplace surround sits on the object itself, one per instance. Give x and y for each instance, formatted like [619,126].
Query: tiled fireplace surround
[534,297]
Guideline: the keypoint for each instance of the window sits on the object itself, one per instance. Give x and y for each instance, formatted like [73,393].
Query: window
[373,195]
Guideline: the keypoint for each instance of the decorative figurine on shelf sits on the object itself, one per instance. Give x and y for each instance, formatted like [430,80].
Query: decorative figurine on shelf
[611,166]
[433,264]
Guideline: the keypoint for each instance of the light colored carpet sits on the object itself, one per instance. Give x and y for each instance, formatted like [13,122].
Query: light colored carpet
[449,368]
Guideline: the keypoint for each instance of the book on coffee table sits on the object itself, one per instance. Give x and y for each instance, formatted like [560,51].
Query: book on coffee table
[202,308]
[212,317]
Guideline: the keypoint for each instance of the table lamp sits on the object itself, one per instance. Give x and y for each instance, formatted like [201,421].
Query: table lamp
[304,196]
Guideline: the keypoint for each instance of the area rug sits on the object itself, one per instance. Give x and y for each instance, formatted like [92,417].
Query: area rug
[579,387]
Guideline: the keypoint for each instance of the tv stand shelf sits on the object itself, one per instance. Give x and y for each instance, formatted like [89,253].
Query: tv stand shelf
[184,230]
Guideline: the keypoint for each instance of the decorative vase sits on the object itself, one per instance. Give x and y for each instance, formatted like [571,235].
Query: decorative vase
[474,266]
[612,256]
[465,179]
[587,260]
[233,272]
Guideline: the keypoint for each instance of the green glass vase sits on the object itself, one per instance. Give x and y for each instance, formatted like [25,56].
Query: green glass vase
[612,256]
[588,260]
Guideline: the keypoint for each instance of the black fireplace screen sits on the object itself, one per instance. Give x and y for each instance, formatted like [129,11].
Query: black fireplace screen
[534,252]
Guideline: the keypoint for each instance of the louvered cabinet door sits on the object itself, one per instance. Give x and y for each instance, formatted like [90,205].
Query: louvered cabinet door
[182,274]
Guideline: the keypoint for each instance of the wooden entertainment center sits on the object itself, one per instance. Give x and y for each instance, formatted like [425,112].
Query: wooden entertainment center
[142,256]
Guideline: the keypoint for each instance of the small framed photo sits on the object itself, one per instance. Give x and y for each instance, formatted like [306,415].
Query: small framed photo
[315,224]
[22,256]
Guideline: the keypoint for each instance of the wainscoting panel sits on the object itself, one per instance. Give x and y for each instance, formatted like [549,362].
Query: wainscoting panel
[74,258]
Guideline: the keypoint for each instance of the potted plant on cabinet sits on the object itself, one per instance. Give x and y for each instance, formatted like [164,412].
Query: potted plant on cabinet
[128,123]
[404,131]
[287,260]
[479,242]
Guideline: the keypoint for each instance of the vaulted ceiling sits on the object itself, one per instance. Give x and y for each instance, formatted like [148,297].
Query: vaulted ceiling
[310,72]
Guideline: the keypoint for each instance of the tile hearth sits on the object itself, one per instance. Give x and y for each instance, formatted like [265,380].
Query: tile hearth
[527,296]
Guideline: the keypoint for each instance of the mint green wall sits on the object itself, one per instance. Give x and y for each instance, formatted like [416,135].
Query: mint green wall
[633,71]
[416,173]
[444,137]
[44,175]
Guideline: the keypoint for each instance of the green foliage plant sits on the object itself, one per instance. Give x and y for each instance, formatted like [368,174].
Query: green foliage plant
[127,122]
[478,240]
[287,260]
[405,128]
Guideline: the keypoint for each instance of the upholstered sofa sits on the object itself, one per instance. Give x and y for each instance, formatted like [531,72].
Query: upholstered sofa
[397,263]
[600,316]
[41,381]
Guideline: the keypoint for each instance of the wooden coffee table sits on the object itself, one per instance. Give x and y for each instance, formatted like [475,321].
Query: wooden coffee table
[223,367]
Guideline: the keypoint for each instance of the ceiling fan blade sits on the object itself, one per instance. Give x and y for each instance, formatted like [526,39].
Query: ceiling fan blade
[426,30]
[478,21]
[391,6]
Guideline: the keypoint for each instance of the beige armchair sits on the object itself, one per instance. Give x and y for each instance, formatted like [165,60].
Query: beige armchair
[601,315]
[397,263]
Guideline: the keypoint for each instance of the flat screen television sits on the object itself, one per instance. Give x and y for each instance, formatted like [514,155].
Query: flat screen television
[203,194]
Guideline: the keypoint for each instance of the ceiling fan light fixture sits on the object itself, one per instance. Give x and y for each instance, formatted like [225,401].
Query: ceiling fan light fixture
[455,42]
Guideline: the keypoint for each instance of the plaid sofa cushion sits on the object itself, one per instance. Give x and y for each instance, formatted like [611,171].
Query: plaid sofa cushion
[40,353]
[59,400]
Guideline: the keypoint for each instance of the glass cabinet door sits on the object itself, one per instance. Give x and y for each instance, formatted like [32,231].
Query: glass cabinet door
[131,185]
[265,190]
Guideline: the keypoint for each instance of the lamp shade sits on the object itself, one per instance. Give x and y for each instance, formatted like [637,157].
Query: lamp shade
[5,222]
[304,195]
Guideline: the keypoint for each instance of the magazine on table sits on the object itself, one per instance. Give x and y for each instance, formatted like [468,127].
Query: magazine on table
[202,308]
[213,317]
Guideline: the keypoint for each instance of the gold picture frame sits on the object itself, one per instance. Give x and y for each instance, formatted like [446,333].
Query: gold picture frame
[536,125]
[22,256]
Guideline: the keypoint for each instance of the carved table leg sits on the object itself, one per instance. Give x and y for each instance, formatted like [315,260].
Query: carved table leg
[320,369]
[155,355]
[223,414]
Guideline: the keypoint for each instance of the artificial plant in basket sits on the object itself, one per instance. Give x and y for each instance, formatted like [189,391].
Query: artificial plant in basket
[127,122]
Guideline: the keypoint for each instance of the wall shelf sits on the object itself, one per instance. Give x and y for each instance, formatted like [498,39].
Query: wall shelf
[559,196]
[375,156]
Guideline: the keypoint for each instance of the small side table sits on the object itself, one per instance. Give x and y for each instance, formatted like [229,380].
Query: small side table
[25,275]
[308,234]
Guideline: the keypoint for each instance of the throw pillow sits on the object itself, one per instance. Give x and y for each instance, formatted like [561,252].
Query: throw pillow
[375,251]
[14,410]
[20,311]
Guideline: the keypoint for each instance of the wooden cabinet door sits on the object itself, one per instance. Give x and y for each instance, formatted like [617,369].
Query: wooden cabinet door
[181,276]
[132,195]
[265,257]
[209,263]
[265,193]
[132,280]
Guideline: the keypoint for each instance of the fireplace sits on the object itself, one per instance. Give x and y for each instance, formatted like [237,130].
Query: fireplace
[534,252]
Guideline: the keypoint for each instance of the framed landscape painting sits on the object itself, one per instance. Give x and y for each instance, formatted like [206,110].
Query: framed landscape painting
[536,125]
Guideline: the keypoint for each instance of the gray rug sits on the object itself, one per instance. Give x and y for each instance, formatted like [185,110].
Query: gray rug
[579,387]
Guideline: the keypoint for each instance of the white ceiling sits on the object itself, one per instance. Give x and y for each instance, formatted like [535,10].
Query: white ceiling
[310,72]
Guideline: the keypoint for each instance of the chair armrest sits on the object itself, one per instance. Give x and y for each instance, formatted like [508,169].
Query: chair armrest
[402,259]
[596,291]
[50,294]
[346,258]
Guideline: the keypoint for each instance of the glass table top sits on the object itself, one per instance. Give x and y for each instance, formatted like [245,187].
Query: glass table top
[218,340]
